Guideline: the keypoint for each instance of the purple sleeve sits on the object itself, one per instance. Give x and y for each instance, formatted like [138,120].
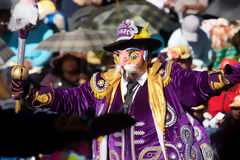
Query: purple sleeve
[78,100]
[192,87]
[232,73]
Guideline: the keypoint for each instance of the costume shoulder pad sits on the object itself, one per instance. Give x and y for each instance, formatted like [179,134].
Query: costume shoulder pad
[98,85]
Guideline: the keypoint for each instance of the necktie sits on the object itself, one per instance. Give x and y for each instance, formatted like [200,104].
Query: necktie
[131,88]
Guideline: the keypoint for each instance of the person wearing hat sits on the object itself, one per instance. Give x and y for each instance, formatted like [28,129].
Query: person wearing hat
[155,94]
[68,69]
[221,102]
[226,138]
[190,34]
[181,54]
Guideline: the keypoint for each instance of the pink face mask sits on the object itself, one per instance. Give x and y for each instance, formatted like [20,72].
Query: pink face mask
[130,56]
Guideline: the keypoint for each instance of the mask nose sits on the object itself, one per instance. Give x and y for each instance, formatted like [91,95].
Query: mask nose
[123,61]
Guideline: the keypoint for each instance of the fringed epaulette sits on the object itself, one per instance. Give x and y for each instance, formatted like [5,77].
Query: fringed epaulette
[98,85]
[166,73]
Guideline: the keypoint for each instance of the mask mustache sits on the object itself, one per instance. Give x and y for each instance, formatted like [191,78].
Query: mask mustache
[129,69]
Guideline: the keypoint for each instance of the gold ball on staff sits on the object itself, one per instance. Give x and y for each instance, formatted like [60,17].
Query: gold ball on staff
[19,73]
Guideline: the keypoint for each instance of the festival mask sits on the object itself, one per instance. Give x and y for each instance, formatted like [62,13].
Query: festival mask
[130,56]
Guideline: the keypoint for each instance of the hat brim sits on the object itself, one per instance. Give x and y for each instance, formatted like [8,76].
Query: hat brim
[234,104]
[149,44]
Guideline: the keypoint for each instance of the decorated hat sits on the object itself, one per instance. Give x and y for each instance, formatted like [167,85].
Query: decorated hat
[179,52]
[236,102]
[130,35]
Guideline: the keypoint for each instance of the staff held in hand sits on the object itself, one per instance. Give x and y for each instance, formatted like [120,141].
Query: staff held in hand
[23,19]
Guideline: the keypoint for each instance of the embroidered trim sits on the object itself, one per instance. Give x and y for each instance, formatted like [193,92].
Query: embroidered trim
[132,143]
[173,155]
[98,87]
[217,85]
[171,116]
[190,118]
[139,133]
[166,77]
[191,152]
[99,140]
[207,151]
[141,141]
[197,133]
[113,155]
[150,149]
[119,134]
[139,124]
[44,99]
[118,144]
[222,80]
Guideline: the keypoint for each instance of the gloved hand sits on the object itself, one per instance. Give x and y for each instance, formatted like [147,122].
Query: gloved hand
[19,88]
[232,73]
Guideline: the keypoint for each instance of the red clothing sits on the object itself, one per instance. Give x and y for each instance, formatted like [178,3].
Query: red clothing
[221,103]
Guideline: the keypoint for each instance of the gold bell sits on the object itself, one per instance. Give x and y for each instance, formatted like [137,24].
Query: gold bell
[19,73]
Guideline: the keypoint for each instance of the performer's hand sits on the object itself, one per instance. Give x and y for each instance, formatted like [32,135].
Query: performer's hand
[19,88]
[232,73]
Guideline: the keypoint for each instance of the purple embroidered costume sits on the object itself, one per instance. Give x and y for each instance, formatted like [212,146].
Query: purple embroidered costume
[182,88]
[163,130]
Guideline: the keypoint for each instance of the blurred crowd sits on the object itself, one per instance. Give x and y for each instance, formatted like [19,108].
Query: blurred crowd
[192,35]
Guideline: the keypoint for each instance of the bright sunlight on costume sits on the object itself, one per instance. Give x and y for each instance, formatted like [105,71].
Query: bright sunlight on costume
[160,97]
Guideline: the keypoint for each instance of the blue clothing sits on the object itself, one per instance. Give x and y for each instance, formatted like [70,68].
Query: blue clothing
[37,57]
[201,50]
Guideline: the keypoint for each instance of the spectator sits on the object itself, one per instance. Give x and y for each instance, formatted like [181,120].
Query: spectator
[182,55]
[67,69]
[191,35]
[225,41]
[186,7]
[221,102]
[54,18]
[226,139]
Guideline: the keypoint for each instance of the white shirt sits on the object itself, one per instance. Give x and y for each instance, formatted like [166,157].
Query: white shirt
[141,80]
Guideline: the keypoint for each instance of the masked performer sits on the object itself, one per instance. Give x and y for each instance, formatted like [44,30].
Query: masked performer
[155,94]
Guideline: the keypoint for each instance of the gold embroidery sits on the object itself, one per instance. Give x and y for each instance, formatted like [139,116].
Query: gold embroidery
[151,149]
[98,87]
[99,141]
[217,85]
[101,83]
[222,80]
[42,98]
[15,84]
[166,78]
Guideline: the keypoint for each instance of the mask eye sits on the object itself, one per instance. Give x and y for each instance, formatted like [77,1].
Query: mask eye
[116,58]
[133,56]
